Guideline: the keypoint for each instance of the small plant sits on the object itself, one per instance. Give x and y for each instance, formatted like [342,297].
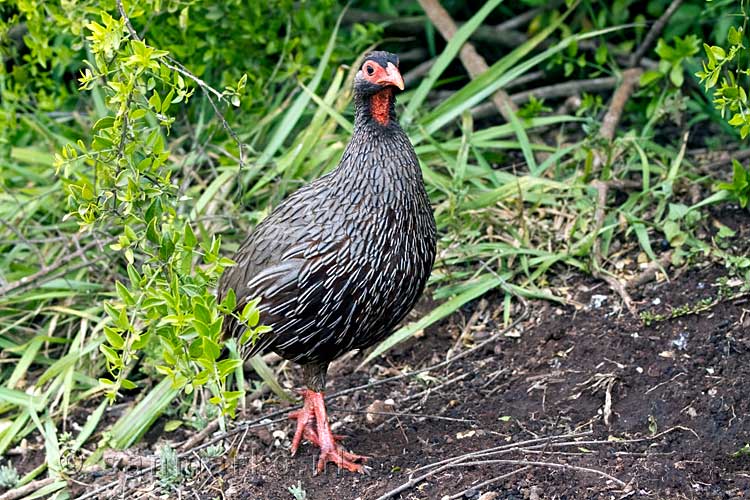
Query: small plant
[122,179]
[672,59]
[170,474]
[742,452]
[739,188]
[8,476]
[213,451]
[298,492]
[730,96]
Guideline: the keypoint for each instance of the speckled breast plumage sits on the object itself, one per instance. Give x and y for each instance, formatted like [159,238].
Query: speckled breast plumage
[340,262]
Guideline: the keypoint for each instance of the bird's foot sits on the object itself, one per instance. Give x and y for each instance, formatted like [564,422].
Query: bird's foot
[312,425]
[339,456]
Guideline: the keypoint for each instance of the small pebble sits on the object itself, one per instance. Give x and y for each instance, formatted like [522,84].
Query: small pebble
[376,409]
[597,301]
[681,342]
[490,495]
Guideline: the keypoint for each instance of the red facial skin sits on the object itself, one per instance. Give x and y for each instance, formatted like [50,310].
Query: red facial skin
[387,78]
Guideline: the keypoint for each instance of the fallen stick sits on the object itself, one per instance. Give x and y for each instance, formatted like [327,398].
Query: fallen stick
[630,78]
[649,273]
[462,494]
[27,489]
[459,463]
[565,89]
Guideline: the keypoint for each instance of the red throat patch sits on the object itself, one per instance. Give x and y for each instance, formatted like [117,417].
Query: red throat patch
[380,106]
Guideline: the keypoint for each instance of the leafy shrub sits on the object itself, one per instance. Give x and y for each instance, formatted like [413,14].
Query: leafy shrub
[726,62]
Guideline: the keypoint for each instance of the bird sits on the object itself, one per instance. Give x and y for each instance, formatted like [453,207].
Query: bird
[342,260]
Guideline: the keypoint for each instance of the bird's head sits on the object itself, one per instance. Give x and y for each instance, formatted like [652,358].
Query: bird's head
[375,84]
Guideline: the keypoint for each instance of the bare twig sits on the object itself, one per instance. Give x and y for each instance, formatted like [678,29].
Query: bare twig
[27,489]
[403,414]
[198,437]
[24,240]
[44,274]
[475,459]
[650,271]
[658,26]
[630,78]
[565,89]
[418,72]
[726,157]
[462,461]
[462,494]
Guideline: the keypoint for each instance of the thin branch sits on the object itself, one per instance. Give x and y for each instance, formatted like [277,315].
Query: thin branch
[27,489]
[630,78]
[175,65]
[658,26]
[459,463]
[565,89]
[417,72]
[43,275]
[463,494]
[24,240]
[650,271]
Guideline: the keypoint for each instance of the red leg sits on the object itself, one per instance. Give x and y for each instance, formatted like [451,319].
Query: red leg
[330,451]
[304,418]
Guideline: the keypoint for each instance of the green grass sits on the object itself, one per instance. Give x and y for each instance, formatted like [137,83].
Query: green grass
[512,215]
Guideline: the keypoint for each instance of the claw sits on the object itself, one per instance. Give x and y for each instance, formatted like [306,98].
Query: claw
[313,410]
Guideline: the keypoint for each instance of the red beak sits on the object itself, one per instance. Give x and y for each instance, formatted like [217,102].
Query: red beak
[392,77]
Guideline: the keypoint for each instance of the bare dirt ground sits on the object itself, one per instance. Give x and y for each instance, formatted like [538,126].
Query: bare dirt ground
[583,402]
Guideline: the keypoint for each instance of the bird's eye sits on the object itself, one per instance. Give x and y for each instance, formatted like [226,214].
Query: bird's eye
[370,70]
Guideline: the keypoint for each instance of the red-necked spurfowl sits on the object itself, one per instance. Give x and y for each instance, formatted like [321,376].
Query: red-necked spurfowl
[342,260]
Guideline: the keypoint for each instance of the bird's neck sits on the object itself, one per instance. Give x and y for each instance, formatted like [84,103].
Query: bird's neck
[376,110]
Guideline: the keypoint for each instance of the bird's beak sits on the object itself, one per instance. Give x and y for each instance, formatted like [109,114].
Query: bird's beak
[392,77]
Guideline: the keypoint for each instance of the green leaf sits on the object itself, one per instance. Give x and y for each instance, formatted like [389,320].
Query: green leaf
[172,425]
[189,238]
[676,75]
[649,77]
[114,338]
[734,37]
[229,302]
[226,366]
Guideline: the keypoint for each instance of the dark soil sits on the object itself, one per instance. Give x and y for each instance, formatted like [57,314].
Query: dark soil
[663,407]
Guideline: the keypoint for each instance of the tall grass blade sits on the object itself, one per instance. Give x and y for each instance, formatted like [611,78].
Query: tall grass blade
[292,116]
[523,140]
[481,286]
[133,424]
[449,53]
[265,373]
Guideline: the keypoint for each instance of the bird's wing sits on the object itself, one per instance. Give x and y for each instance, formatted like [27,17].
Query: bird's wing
[288,262]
